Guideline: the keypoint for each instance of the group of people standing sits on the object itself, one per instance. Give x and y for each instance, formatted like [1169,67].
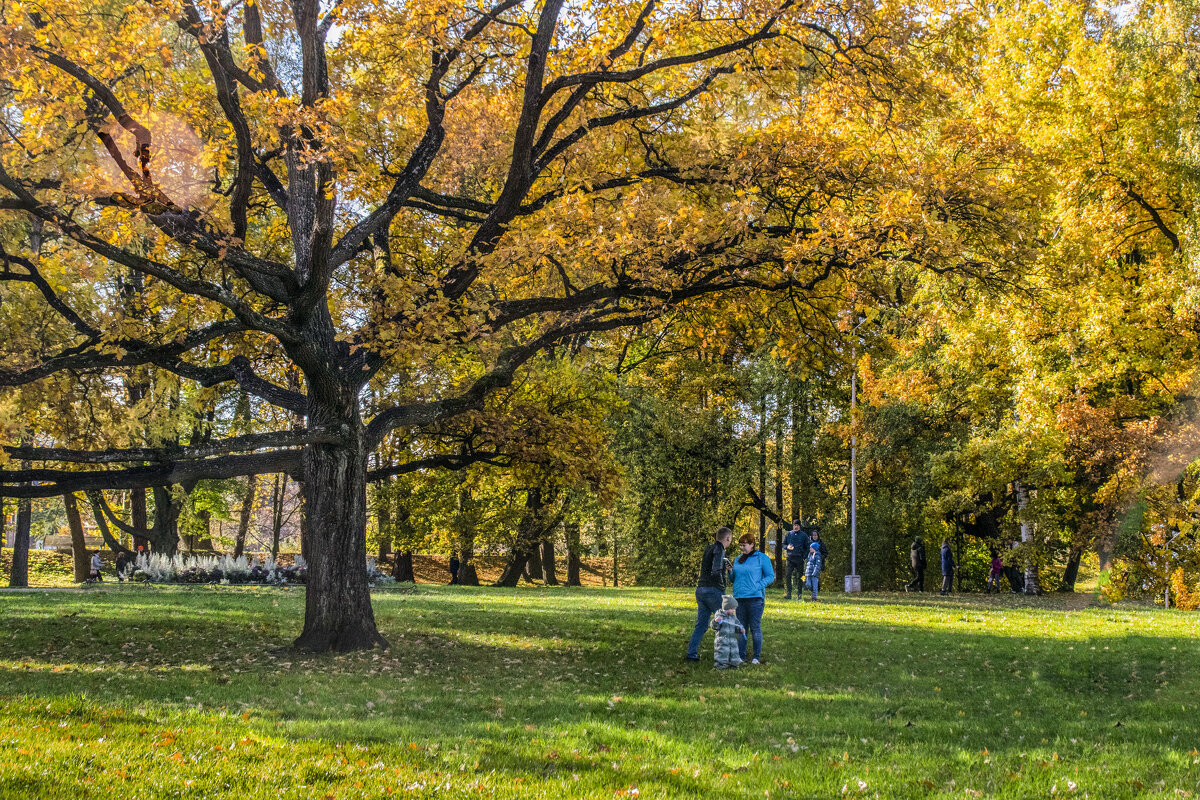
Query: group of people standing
[737,616]
[917,555]
[949,565]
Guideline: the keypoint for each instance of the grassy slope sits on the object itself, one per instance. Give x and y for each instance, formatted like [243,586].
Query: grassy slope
[147,693]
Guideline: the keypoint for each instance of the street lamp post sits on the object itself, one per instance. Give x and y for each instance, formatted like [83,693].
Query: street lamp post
[853,581]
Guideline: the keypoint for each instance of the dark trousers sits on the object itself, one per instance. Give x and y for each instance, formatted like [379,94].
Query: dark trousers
[749,613]
[947,579]
[796,568]
[708,602]
[917,584]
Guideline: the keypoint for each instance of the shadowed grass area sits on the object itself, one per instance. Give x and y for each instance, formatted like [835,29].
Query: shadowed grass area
[191,692]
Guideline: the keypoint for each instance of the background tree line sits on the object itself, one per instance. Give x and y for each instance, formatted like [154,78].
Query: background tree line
[606,277]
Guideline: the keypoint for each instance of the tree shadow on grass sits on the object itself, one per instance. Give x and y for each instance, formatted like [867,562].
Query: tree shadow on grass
[507,681]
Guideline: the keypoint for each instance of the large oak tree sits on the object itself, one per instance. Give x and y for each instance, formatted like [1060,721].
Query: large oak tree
[296,202]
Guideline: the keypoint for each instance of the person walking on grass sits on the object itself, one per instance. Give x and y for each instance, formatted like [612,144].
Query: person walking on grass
[796,547]
[947,567]
[994,575]
[122,565]
[752,574]
[709,588]
[917,556]
[97,565]
[726,654]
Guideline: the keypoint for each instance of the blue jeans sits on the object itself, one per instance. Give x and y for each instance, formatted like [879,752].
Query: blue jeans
[813,582]
[749,613]
[708,602]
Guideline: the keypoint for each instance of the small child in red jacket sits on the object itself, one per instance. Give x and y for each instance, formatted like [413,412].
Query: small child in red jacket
[997,570]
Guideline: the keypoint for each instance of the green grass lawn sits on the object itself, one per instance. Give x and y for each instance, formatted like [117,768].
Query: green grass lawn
[191,692]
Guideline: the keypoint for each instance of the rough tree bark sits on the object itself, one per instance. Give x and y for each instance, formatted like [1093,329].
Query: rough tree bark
[338,614]
[239,543]
[403,569]
[571,529]
[79,553]
[138,517]
[549,572]
[465,524]
[277,494]
[1071,573]
[529,534]
[19,574]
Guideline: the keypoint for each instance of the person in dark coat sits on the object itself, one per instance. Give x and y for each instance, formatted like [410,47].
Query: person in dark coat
[917,556]
[1016,580]
[122,565]
[795,545]
[455,564]
[710,588]
[947,567]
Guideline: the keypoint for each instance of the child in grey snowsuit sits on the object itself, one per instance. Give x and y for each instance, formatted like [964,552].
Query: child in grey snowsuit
[725,623]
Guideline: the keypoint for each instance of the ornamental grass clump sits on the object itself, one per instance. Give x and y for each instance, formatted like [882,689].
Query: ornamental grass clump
[225,569]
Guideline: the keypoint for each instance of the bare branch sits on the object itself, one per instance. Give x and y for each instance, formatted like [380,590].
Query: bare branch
[50,482]
[236,444]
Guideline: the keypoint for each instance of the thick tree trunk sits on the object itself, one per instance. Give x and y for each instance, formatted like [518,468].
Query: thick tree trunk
[403,569]
[615,576]
[19,576]
[204,540]
[139,518]
[79,553]
[513,569]
[1071,574]
[572,534]
[533,563]
[239,543]
[525,547]
[277,513]
[549,572]
[467,574]
[337,612]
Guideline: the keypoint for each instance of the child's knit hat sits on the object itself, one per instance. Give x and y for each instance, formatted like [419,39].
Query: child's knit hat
[728,603]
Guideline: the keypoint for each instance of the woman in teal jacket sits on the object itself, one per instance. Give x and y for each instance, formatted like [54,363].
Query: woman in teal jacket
[752,574]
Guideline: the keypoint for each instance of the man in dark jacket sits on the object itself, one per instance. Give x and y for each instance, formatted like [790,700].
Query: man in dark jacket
[795,545]
[122,565]
[709,588]
[947,567]
[917,555]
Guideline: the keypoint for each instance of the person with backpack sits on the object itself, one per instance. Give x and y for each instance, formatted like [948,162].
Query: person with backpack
[752,574]
[916,555]
[795,546]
